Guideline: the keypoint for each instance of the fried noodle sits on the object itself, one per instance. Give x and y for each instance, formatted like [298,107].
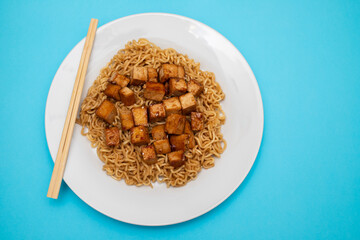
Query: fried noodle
[125,161]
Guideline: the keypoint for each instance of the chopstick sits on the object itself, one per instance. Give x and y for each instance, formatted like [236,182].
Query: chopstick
[63,151]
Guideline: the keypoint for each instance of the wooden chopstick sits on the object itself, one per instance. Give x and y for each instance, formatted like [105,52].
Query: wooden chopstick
[59,162]
[61,157]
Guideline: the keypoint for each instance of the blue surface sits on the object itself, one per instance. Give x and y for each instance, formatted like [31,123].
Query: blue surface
[305,183]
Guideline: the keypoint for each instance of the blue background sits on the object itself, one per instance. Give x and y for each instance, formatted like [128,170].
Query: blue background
[305,183]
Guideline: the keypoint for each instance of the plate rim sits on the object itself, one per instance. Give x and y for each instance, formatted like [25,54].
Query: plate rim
[251,75]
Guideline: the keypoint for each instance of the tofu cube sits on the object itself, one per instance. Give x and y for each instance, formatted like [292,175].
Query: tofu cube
[157,113]
[181,72]
[112,136]
[152,74]
[172,105]
[197,121]
[175,124]
[162,146]
[148,154]
[179,142]
[188,103]
[154,91]
[127,96]
[113,91]
[119,79]
[139,135]
[194,87]
[190,133]
[140,116]
[158,132]
[139,75]
[168,71]
[177,86]
[107,111]
[127,120]
[177,158]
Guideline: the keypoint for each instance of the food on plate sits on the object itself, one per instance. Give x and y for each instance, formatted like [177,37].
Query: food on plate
[194,87]
[106,111]
[127,96]
[154,91]
[126,119]
[157,113]
[148,154]
[197,121]
[175,124]
[112,136]
[139,75]
[139,135]
[177,86]
[119,79]
[172,105]
[158,132]
[177,158]
[179,142]
[154,116]
[188,103]
[162,146]
[113,91]
[140,116]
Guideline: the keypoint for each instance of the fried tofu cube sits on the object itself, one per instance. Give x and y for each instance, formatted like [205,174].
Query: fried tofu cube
[107,111]
[112,136]
[162,146]
[190,133]
[154,91]
[175,124]
[179,142]
[152,74]
[197,121]
[140,116]
[139,76]
[139,135]
[188,103]
[113,91]
[172,105]
[168,71]
[177,158]
[148,154]
[127,96]
[177,86]
[127,120]
[119,79]
[158,132]
[194,87]
[157,113]
[181,72]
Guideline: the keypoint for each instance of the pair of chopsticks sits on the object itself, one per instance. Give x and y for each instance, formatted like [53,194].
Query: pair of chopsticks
[61,157]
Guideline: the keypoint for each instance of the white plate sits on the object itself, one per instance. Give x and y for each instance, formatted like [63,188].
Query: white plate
[243,128]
